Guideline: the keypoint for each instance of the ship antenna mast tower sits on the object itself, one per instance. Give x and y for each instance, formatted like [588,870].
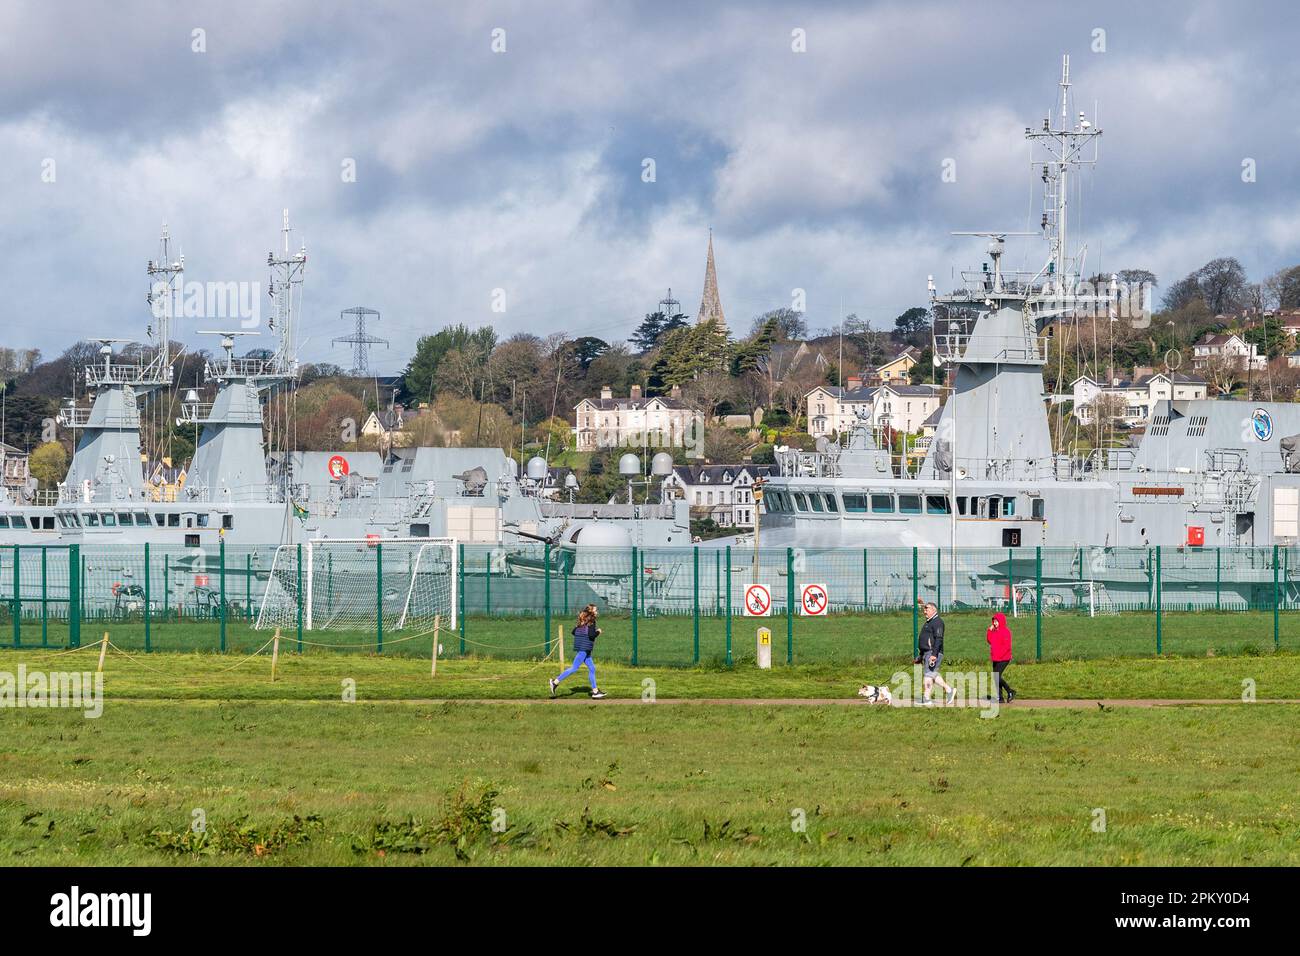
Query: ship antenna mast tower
[166,283]
[286,293]
[1059,149]
[360,340]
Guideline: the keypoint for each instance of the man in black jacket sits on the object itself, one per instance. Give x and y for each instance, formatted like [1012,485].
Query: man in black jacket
[930,645]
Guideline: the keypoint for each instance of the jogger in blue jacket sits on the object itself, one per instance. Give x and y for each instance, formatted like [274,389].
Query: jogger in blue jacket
[584,642]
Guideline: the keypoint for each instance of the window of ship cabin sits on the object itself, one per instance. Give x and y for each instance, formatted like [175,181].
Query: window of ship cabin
[937,505]
[1037,509]
[882,504]
[228,521]
[855,504]
[831,505]
[961,505]
[173,519]
[815,500]
[1008,506]
[800,502]
[108,519]
[909,504]
[159,519]
[35,522]
[74,519]
[4,521]
[92,520]
[141,518]
[48,523]
[203,519]
[124,518]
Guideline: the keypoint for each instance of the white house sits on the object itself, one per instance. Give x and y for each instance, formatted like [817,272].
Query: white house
[901,407]
[636,421]
[1138,397]
[1226,346]
[724,493]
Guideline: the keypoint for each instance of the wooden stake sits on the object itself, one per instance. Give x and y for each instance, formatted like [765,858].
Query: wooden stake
[559,633]
[103,650]
[437,627]
[275,653]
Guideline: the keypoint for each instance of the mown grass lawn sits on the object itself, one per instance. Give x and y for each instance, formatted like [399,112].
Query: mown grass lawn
[313,782]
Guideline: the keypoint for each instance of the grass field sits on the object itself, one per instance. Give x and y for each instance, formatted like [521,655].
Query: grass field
[289,773]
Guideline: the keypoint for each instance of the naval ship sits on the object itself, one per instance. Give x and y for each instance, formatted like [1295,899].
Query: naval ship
[247,486]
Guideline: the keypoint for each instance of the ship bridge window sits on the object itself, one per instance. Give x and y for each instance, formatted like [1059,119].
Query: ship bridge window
[800,502]
[108,519]
[1008,506]
[815,500]
[961,505]
[124,518]
[831,506]
[882,504]
[937,505]
[141,518]
[228,522]
[92,520]
[74,520]
[48,522]
[4,521]
[203,519]
[855,504]
[909,504]
[173,519]
[1038,509]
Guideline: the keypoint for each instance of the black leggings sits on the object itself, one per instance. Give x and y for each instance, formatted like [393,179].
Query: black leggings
[998,668]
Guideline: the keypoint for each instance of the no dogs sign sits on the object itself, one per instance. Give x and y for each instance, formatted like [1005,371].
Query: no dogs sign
[814,600]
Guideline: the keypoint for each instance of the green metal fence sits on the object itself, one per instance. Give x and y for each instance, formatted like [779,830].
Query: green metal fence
[662,606]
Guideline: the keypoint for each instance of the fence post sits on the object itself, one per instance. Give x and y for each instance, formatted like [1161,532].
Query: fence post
[789,605]
[248,587]
[74,595]
[1038,612]
[916,628]
[45,599]
[299,596]
[167,574]
[1275,617]
[1160,607]
[866,578]
[717,583]
[487,583]
[379,598]
[546,613]
[460,583]
[1218,574]
[148,644]
[938,578]
[695,601]
[636,583]
[221,570]
[18,601]
[728,605]
[1011,584]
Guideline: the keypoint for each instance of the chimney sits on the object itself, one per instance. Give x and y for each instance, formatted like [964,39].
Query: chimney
[854,382]
[606,392]
[636,391]
[676,392]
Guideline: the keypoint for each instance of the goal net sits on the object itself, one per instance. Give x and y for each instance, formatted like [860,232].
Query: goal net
[352,584]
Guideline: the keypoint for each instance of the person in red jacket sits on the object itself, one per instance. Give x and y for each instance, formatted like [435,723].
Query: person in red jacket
[999,638]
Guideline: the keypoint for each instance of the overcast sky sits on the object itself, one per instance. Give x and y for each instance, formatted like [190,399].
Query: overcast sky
[522,170]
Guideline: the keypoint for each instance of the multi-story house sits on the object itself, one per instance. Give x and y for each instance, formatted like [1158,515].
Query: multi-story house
[636,421]
[724,493]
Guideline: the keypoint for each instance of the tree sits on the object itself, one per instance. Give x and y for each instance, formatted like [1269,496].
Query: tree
[49,464]
[1268,337]
[723,445]
[787,325]
[1137,277]
[1182,293]
[588,348]
[912,324]
[418,381]
[1285,287]
[690,352]
[654,327]
[924,368]
[708,392]
[1223,285]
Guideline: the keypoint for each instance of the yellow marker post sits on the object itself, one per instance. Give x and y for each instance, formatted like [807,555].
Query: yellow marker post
[275,653]
[437,628]
[765,648]
[103,650]
[559,636]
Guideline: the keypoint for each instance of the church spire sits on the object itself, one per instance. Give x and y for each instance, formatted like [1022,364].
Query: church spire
[710,304]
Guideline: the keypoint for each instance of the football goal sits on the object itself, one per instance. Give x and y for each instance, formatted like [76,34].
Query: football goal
[352,584]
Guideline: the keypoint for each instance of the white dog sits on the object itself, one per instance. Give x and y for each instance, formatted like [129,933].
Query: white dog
[875,694]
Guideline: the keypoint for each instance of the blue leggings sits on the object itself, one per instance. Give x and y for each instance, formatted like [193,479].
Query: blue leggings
[580,658]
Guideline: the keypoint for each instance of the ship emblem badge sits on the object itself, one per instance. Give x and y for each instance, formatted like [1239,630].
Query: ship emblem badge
[1263,423]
